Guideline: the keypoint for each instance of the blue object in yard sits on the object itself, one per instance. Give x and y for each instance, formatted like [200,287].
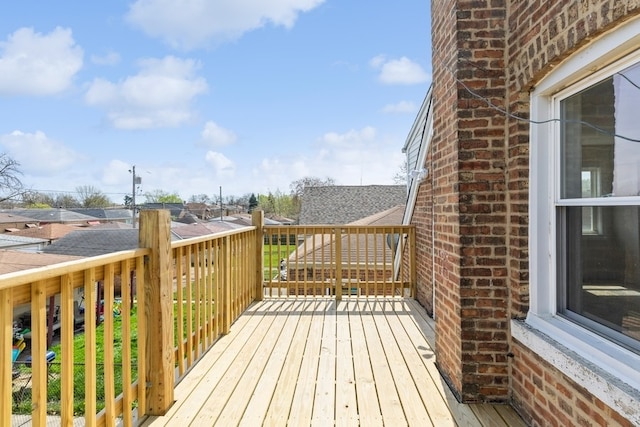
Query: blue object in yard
[49,356]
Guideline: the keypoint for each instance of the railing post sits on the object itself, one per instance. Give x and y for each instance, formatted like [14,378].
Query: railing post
[155,234]
[6,338]
[338,237]
[413,272]
[226,285]
[257,219]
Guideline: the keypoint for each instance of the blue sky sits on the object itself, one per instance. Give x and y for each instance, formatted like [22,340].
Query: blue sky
[249,95]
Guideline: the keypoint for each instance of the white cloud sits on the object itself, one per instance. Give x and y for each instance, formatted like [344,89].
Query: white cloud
[110,58]
[36,64]
[399,71]
[195,23]
[38,154]
[116,172]
[214,135]
[223,166]
[160,95]
[350,138]
[354,157]
[377,61]
[400,107]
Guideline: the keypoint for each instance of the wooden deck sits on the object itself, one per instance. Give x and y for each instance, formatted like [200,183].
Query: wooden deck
[317,362]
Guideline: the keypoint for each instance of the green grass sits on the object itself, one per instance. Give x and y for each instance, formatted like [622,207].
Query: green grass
[272,256]
[54,383]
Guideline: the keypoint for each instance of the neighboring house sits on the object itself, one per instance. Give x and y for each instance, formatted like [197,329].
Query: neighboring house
[94,242]
[49,232]
[25,244]
[280,219]
[200,210]
[338,204]
[106,215]
[528,221]
[177,210]
[12,260]
[112,225]
[58,215]
[371,255]
[186,231]
[246,220]
[10,222]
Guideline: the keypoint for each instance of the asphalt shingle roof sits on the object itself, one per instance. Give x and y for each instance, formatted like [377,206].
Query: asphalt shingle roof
[344,204]
[90,243]
[11,261]
[105,214]
[10,240]
[51,231]
[8,217]
[52,215]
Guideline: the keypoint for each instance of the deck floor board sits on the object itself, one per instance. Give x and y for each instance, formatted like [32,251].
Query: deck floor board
[303,362]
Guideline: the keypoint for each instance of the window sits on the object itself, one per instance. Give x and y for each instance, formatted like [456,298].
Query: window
[584,219]
[597,209]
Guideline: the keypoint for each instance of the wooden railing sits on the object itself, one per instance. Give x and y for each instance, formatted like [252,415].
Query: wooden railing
[345,260]
[174,300]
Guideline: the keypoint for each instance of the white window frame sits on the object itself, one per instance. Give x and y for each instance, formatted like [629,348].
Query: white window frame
[608,370]
[595,224]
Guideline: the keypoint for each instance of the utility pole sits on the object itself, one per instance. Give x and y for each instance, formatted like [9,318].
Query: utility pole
[135,180]
[221,213]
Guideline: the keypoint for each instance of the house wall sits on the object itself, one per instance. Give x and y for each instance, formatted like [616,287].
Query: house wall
[493,52]
[541,35]
[422,218]
[469,199]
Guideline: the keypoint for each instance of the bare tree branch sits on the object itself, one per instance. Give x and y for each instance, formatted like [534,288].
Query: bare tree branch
[10,185]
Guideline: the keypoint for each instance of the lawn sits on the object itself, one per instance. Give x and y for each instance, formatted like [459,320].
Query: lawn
[23,404]
[272,256]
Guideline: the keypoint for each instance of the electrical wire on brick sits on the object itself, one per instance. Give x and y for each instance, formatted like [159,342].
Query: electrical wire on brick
[507,113]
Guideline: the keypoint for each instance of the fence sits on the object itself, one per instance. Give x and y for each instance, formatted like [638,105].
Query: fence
[340,261]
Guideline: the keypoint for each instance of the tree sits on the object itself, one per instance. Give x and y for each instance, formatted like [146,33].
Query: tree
[200,198]
[297,190]
[36,200]
[253,202]
[161,196]
[91,197]
[297,187]
[10,184]
[401,176]
[63,200]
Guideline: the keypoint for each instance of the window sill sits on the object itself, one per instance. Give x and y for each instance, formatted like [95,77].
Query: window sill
[609,372]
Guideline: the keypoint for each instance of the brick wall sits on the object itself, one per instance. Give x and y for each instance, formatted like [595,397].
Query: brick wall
[548,398]
[444,167]
[541,34]
[470,208]
[422,218]
[487,55]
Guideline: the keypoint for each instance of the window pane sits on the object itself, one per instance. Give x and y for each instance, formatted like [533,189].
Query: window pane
[590,119]
[602,272]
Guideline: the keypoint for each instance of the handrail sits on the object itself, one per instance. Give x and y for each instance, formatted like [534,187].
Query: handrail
[367,260]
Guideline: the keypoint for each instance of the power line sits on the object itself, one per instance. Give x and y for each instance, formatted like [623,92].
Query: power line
[70,192]
[507,113]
